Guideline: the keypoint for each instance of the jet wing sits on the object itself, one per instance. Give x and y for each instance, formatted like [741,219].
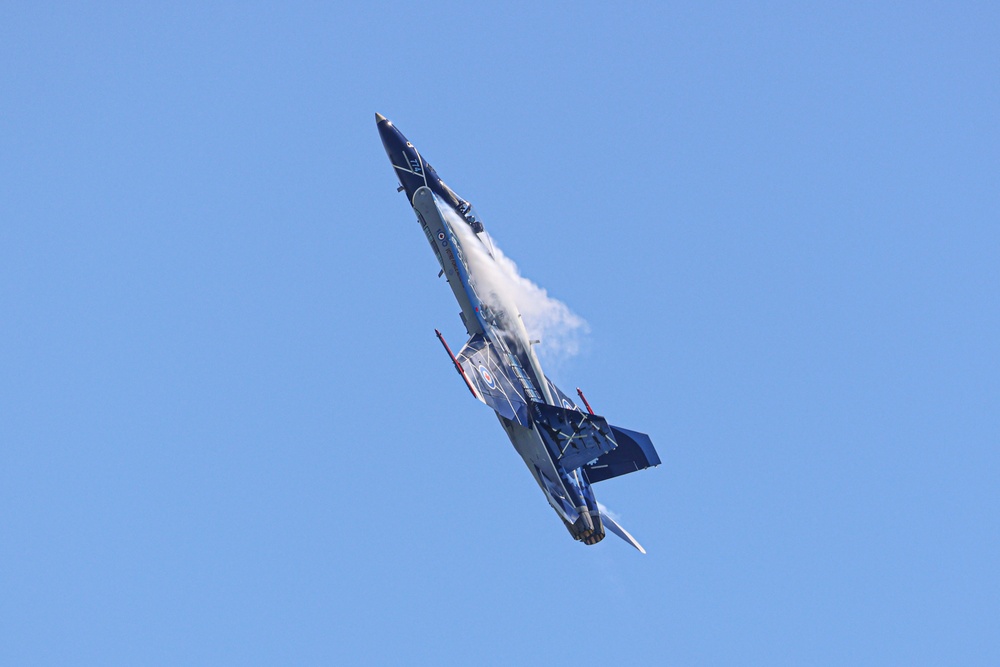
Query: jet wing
[635,451]
[573,437]
[493,379]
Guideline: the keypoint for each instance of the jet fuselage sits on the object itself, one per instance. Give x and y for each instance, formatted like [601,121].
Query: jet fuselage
[555,438]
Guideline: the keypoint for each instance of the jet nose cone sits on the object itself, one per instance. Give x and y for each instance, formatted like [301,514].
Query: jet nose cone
[379,118]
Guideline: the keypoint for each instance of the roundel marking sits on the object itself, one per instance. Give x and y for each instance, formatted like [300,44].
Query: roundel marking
[487,377]
[441,236]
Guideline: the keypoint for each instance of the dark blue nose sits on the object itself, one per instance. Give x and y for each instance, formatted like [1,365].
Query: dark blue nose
[410,168]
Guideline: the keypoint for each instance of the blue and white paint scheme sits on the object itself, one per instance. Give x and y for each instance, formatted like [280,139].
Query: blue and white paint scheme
[566,448]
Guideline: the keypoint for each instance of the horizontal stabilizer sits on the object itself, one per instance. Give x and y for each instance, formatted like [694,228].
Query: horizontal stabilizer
[635,451]
[491,377]
[573,437]
[613,526]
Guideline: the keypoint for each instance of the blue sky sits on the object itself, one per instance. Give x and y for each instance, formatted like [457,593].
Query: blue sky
[228,434]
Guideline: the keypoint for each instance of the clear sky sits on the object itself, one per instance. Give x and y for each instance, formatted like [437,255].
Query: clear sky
[228,434]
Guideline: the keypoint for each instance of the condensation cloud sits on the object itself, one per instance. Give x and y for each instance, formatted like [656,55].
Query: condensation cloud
[499,283]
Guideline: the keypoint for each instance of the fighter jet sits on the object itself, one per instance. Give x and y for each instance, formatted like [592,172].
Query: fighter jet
[566,448]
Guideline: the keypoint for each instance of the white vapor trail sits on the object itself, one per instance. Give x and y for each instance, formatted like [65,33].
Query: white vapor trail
[501,285]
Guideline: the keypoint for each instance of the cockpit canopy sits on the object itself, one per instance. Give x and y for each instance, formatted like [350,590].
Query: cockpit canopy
[469,213]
